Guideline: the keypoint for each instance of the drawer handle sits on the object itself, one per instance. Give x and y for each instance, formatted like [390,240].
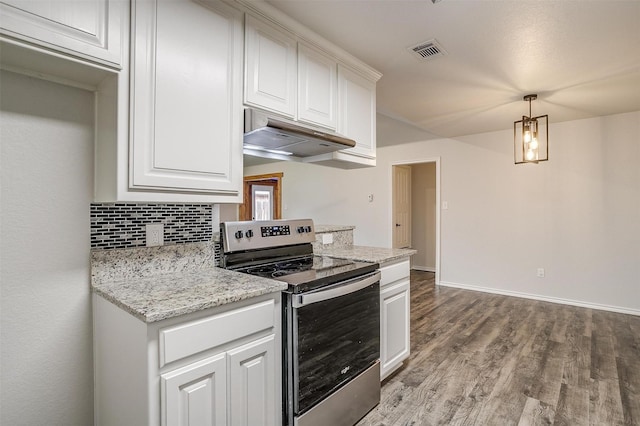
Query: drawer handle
[334,291]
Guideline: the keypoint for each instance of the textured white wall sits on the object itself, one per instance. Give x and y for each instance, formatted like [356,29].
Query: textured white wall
[331,196]
[575,215]
[46,169]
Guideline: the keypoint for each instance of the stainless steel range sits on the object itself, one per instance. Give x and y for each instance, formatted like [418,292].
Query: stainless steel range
[331,320]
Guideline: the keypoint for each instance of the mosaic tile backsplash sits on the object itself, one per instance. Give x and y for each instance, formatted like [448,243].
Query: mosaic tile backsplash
[122,225]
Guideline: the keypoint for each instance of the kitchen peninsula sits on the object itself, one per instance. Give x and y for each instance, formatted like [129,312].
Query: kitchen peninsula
[183,321]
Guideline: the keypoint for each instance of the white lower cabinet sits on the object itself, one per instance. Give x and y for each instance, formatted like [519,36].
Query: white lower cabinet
[196,394]
[394,316]
[251,369]
[220,366]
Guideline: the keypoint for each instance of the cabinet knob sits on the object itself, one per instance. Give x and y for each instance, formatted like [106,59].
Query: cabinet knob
[397,224]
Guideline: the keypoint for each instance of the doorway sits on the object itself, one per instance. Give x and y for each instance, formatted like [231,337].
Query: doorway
[401,215]
[262,197]
[415,214]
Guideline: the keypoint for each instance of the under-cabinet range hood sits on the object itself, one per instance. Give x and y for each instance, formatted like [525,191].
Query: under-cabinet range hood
[271,136]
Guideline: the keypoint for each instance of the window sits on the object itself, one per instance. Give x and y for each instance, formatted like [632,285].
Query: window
[262,202]
[262,197]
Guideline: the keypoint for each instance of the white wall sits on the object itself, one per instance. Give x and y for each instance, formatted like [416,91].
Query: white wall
[331,196]
[423,215]
[575,215]
[46,187]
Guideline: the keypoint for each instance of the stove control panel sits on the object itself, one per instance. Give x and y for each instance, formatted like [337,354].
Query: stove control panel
[251,235]
[275,230]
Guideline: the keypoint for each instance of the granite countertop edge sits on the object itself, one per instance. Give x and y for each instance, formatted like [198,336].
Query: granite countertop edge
[324,229]
[366,253]
[159,297]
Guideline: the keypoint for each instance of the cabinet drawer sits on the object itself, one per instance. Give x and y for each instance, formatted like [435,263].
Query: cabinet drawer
[394,272]
[187,339]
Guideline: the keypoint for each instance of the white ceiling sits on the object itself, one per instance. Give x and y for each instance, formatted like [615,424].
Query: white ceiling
[581,57]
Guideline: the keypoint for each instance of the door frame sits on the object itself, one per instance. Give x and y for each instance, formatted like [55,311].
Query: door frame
[435,160]
[271,179]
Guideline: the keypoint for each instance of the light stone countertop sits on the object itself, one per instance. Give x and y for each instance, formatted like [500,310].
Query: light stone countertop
[158,297]
[365,253]
[133,263]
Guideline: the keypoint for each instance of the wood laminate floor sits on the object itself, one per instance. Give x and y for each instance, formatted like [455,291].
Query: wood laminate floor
[484,359]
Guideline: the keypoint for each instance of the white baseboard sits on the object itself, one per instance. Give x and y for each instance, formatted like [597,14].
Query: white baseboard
[559,300]
[423,268]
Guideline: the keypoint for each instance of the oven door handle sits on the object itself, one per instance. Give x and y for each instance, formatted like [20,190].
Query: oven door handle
[337,290]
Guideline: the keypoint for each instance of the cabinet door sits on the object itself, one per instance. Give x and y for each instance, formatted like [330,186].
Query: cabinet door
[270,68]
[253,383]
[317,87]
[394,326]
[93,29]
[357,111]
[186,98]
[195,394]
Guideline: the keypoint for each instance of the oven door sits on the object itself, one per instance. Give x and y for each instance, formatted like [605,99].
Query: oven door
[335,337]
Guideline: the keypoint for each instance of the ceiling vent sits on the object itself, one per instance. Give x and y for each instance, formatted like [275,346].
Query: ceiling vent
[426,50]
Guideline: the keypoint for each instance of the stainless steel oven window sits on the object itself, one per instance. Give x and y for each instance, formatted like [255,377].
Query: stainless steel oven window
[331,342]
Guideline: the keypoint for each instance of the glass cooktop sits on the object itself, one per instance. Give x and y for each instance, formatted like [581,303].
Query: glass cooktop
[311,272]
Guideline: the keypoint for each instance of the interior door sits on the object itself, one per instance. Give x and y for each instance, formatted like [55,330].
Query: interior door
[401,206]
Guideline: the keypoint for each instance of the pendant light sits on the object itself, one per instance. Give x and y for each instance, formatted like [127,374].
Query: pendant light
[531,137]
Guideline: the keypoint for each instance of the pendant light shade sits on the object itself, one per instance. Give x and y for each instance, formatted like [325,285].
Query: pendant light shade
[531,137]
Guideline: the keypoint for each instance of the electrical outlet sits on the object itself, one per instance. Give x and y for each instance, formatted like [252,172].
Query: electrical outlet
[371,198]
[540,273]
[327,238]
[155,234]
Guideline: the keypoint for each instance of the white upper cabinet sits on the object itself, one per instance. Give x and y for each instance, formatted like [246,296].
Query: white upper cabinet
[186,99]
[357,111]
[270,68]
[317,87]
[90,29]
[331,88]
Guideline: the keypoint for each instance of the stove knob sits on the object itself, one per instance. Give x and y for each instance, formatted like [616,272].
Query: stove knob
[307,229]
[238,235]
[300,229]
[249,233]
